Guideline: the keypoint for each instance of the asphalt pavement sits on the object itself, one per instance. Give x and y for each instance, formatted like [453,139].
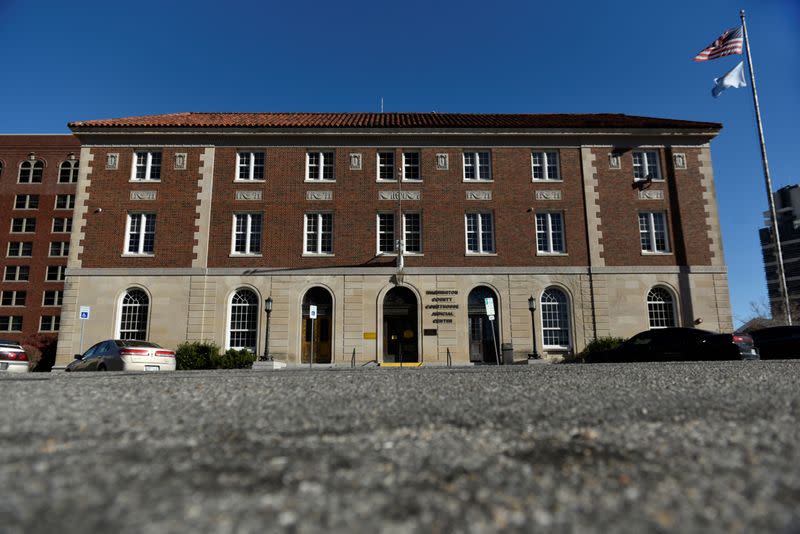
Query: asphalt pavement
[681,447]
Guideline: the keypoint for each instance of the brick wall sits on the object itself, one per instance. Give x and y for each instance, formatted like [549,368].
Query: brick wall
[355,205]
[52,150]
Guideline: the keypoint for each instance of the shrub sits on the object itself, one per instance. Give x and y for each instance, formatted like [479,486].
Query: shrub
[206,355]
[41,351]
[196,355]
[600,344]
[236,359]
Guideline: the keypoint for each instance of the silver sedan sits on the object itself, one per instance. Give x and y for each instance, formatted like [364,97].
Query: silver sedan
[124,355]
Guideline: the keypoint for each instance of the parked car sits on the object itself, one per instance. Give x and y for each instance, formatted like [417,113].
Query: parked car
[124,355]
[679,344]
[777,342]
[13,358]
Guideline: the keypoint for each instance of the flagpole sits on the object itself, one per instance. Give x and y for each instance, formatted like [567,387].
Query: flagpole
[767,180]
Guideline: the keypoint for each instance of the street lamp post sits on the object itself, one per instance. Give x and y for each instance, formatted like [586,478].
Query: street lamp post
[532,307]
[268,309]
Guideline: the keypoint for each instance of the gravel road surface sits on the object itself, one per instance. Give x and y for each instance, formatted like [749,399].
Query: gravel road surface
[682,447]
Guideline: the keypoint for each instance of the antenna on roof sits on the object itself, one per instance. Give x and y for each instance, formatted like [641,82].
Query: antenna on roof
[381,104]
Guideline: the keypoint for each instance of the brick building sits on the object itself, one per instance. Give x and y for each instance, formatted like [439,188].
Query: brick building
[38,174]
[187,222]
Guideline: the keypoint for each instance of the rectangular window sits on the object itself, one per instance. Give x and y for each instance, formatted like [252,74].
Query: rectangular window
[645,166]
[318,233]
[412,232]
[59,248]
[319,166]
[25,225]
[386,166]
[26,202]
[386,244]
[65,202]
[250,165]
[549,233]
[653,232]
[140,235]
[49,323]
[62,225]
[477,166]
[146,166]
[246,233]
[20,249]
[52,298]
[545,166]
[17,273]
[56,273]
[411,166]
[13,298]
[10,323]
[480,233]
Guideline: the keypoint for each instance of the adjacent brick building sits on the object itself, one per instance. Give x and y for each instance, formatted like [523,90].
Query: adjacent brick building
[38,174]
[187,223]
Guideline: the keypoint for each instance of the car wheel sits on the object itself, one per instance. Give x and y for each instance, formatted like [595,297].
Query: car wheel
[102,367]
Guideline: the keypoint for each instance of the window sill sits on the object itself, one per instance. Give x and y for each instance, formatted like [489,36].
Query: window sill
[645,180]
[20,257]
[16,281]
[385,181]
[130,255]
[481,254]
[310,181]
[48,332]
[51,305]
[394,254]
[318,255]
[547,180]
[652,253]
[477,181]
[556,348]
[245,255]
[134,181]
[551,254]
[249,181]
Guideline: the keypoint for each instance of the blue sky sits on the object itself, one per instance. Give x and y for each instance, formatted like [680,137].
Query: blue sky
[67,61]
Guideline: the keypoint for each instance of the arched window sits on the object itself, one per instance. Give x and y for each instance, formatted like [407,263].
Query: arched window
[244,320]
[133,315]
[660,308]
[555,318]
[68,172]
[30,172]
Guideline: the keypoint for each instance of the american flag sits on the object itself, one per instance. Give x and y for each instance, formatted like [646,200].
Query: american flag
[730,42]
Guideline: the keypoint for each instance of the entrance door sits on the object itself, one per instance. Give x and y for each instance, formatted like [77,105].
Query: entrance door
[482,343]
[400,334]
[322,331]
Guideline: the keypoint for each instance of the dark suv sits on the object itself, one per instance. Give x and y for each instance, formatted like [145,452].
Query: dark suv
[679,344]
[778,342]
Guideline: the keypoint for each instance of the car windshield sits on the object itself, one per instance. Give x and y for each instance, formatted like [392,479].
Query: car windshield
[135,343]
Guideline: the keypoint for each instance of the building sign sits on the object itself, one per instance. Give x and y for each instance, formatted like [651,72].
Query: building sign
[442,306]
[548,195]
[651,194]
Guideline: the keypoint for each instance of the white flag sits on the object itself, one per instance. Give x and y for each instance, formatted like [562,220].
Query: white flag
[733,78]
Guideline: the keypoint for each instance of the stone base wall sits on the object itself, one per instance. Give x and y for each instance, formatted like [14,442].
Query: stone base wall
[195,306]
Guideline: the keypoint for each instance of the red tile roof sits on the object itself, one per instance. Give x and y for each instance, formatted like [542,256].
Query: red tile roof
[392,120]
